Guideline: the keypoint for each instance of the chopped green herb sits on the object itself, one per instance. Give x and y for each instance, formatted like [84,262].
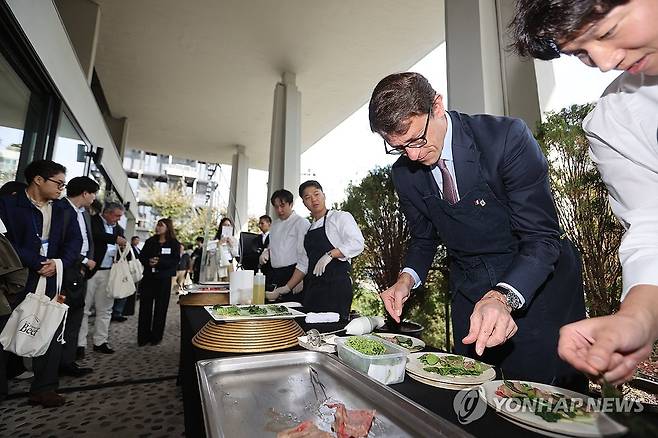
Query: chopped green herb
[366,346]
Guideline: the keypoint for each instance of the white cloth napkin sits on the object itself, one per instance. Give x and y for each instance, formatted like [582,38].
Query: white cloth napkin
[363,325]
[312,317]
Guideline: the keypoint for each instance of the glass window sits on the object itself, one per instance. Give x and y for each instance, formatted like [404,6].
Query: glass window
[69,148]
[14,103]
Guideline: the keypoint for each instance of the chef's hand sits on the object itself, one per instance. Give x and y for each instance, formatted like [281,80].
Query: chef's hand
[48,268]
[609,346]
[264,257]
[322,264]
[395,296]
[297,289]
[282,290]
[491,322]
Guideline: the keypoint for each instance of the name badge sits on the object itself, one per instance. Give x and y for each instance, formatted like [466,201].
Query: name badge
[166,251]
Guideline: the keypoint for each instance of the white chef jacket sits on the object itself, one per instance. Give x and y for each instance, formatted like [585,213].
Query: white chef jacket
[285,239]
[343,233]
[623,135]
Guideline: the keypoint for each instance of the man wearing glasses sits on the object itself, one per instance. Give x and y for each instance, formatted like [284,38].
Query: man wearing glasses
[41,228]
[479,185]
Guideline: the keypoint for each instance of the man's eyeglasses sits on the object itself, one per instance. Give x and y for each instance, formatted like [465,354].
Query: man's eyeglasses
[413,144]
[60,184]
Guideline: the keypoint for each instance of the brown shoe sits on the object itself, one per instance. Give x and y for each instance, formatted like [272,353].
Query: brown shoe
[47,399]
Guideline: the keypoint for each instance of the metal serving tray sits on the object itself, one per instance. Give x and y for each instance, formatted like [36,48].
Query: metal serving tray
[259,395]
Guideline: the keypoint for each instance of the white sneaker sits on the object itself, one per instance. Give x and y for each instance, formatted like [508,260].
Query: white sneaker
[25,375]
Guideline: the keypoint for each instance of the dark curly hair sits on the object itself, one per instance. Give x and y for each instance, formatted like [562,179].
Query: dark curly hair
[540,26]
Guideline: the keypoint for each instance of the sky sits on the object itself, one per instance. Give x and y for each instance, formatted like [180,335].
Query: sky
[350,150]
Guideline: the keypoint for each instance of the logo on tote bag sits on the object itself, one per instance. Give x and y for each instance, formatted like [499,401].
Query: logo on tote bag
[28,328]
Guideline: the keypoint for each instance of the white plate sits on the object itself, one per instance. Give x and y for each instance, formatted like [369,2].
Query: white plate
[602,426]
[416,344]
[415,366]
[293,314]
[441,385]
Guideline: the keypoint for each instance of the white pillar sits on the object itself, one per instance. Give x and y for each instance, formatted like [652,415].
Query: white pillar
[285,143]
[483,76]
[237,201]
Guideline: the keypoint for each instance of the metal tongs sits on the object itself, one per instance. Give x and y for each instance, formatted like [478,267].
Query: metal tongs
[315,338]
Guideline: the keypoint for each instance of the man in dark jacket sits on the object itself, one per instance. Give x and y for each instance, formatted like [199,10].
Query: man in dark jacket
[108,236]
[80,193]
[479,184]
[42,228]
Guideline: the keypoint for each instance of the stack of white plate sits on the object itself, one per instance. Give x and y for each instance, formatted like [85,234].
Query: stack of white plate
[415,371]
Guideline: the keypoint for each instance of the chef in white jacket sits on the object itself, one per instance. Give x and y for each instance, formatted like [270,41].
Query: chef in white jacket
[623,135]
[331,241]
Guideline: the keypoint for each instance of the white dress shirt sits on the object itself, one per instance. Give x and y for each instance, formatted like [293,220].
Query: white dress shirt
[83,230]
[285,239]
[263,237]
[623,135]
[111,248]
[3,229]
[343,233]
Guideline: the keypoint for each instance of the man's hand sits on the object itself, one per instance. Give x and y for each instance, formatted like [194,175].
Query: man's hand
[282,290]
[608,346]
[491,322]
[321,265]
[91,264]
[121,241]
[264,257]
[395,296]
[48,268]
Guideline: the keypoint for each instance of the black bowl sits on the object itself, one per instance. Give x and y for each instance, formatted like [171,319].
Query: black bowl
[408,328]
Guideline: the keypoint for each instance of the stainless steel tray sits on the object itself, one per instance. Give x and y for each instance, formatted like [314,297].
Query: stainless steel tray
[259,395]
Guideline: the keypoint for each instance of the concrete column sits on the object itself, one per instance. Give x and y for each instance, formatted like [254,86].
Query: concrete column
[483,76]
[237,201]
[81,19]
[285,142]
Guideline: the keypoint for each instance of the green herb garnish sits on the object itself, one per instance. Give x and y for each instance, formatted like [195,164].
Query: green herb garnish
[369,347]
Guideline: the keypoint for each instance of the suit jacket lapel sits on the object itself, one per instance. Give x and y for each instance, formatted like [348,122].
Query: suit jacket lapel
[465,155]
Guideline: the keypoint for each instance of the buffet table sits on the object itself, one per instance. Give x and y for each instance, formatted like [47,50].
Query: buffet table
[437,400]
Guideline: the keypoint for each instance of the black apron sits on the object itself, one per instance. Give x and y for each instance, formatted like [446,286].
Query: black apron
[481,245]
[276,277]
[332,291]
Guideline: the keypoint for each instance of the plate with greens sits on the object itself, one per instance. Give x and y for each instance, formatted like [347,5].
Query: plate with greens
[449,368]
[549,408]
[407,342]
[248,312]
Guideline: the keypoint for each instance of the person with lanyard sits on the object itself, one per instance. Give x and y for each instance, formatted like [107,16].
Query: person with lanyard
[286,244]
[107,235]
[623,135]
[41,228]
[160,256]
[80,193]
[479,184]
[331,241]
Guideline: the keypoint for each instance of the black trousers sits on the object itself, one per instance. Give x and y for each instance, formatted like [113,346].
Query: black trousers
[73,323]
[153,304]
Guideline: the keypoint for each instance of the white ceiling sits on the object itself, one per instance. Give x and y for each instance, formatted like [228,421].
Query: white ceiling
[195,78]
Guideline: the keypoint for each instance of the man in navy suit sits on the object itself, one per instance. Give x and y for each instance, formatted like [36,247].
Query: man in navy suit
[479,184]
[41,228]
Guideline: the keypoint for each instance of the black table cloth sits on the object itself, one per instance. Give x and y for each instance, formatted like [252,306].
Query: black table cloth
[439,401]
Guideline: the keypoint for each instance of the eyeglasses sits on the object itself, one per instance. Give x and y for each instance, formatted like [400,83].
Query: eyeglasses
[60,184]
[413,144]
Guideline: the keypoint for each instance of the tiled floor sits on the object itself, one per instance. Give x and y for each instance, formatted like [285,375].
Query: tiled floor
[131,393]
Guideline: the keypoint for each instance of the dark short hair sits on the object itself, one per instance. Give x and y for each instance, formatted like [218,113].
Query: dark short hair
[11,187]
[199,239]
[79,185]
[133,238]
[540,26]
[396,98]
[266,217]
[282,195]
[310,183]
[43,168]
